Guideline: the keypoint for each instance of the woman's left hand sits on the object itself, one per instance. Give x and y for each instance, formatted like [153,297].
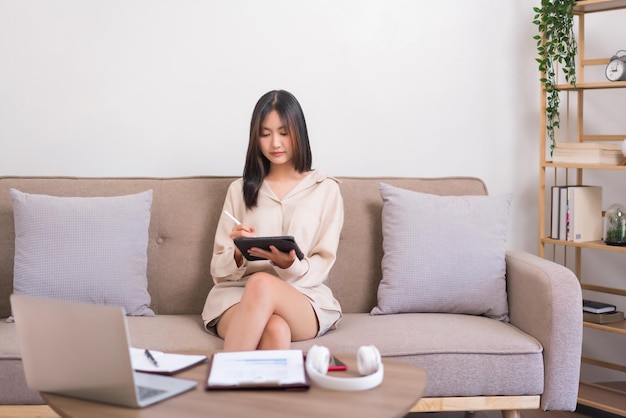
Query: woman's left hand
[277,257]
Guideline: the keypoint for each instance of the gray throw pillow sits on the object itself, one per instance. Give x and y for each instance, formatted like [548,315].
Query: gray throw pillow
[443,253]
[83,249]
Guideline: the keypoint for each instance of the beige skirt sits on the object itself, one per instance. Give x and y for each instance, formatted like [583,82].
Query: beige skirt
[326,319]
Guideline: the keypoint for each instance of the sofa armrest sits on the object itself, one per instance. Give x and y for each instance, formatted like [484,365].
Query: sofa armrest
[545,301]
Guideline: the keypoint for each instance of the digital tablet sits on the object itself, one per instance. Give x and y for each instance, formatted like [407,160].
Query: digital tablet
[282,243]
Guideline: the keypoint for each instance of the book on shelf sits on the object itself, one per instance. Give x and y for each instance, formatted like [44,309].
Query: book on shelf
[584,205]
[576,213]
[558,216]
[563,214]
[596,307]
[587,153]
[603,318]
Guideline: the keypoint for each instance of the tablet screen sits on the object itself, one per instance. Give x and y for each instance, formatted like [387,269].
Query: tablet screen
[283,243]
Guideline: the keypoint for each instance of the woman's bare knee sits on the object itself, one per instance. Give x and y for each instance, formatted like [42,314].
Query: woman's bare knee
[259,286]
[276,335]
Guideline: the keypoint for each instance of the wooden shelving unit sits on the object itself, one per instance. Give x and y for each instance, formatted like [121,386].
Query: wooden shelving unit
[592,6]
[606,396]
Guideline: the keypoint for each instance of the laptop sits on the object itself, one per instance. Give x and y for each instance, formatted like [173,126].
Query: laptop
[82,351]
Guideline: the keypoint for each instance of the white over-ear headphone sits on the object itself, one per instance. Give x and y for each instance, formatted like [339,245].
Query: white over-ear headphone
[369,365]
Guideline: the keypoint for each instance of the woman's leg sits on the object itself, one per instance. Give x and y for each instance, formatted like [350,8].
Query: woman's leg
[276,335]
[270,315]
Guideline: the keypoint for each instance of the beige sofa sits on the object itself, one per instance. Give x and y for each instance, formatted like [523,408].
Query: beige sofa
[473,363]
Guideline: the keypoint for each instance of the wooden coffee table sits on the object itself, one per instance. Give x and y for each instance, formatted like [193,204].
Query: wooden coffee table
[402,387]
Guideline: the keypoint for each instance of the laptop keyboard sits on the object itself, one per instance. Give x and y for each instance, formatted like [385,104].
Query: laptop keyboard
[145,392]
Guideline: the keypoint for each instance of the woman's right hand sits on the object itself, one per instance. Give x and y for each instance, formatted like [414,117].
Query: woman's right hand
[239,231]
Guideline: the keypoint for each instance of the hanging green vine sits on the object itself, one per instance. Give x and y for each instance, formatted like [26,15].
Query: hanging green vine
[557,47]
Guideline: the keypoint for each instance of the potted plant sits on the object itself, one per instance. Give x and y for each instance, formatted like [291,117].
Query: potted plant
[557,48]
[615,225]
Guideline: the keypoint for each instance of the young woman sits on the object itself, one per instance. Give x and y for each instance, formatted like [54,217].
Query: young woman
[267,304]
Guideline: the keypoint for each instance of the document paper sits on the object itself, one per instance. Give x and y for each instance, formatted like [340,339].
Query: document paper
[168,363]
[257,368]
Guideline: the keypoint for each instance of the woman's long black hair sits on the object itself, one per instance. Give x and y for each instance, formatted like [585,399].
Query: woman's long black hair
[257,166]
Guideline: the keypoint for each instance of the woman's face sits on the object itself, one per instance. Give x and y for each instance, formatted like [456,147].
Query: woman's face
[275,141]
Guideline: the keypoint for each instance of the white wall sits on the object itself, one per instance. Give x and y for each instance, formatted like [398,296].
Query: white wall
[389,88]
[166,88]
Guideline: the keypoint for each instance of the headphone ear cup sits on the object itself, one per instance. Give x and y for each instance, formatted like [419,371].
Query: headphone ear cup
[318,358]
[368,360]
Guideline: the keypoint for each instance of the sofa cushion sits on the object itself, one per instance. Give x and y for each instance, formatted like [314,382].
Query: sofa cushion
[458,352]
[443,253]
[83,249]
[185,334]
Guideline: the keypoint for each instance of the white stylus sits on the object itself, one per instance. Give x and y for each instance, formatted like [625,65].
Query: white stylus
[235,220]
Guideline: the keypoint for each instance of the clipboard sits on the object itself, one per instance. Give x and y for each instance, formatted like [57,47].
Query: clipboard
[284,243]
[261,369]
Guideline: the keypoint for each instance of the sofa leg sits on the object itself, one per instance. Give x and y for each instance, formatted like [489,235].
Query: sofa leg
[511,413]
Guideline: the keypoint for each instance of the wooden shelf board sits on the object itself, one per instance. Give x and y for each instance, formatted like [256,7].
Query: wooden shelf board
[604,364]
[585,166]
[603,289]
[610,397]
[602,137]
[616,327]
[593,86]
[596,245]
[595,61]
[591,6]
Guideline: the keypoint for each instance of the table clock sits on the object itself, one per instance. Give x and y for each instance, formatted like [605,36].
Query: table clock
[616,69]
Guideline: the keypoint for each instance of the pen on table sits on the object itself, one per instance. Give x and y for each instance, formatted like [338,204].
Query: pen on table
[235,220]
[152,359]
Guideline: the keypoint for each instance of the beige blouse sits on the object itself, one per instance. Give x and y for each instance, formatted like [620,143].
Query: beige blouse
[312,212]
